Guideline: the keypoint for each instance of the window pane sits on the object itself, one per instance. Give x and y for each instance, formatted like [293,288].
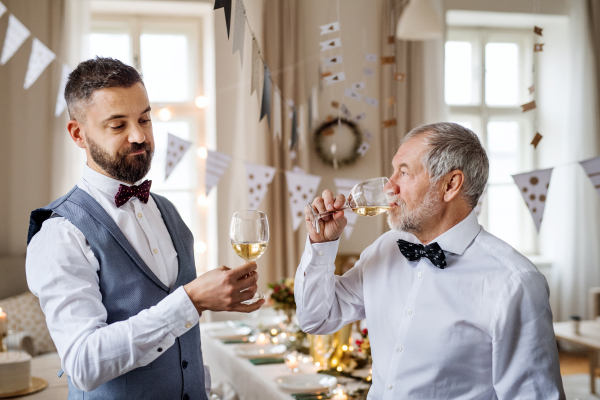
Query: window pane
[501,74]
[182,176]
[459,73]
[114,45]
[503,214]
[165,66]
[503,150]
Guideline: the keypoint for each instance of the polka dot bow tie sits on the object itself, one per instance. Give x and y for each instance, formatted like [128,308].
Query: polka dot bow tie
[414,252]
[125,193]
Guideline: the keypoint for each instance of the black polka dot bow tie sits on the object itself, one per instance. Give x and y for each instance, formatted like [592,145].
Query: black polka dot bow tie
[415,251]
[142,192]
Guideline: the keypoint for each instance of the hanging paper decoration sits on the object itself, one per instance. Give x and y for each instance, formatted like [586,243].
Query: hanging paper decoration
[534,188]
[226,5]
[16,33]
[531,89]
[265,107]
[538,47]
[302,189]
[39,59]
[176,148]
[314,107]
[331,44]
[335,104]
[358,86]
[277,113]
[368,134]
[340,76]
[389,123]
[371,57]
[326,74]
[360,117]
[344,186]
[388,60]
[364,147]
[61,103]
[352,94]
[302,125]
[592,169]
[537,30]
[333,61]
[369,71]
[240,29]
[372,101]
[391,101]
[528,106]
[255,66]
[400,77]
[345,110]
[294,139]
[216,164]
[536,140]
[259,178]
[330,28]
[2,9]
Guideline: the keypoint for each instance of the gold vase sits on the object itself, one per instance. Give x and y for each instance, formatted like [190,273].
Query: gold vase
[331,351]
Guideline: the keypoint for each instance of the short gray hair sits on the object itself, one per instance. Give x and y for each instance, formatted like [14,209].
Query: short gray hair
[454,147]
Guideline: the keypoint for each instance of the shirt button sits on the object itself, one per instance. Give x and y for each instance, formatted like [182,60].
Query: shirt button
[140,215]
[186,397]
[159,349]
[390,387]
[320,253]
[184,364]
[188,325]
[420,274]
[155,251]
[399,348]
[409,312]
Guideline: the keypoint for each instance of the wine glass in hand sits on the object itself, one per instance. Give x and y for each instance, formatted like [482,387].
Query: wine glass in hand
[249,235]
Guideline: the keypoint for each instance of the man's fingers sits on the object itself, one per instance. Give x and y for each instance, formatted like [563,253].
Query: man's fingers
[328,199]
[340,200]
[246,281]
[243,270]
[319,205]
[246,294]
[248,308]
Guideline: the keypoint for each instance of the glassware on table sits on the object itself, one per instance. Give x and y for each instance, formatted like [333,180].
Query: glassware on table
[367,198]
[249,235]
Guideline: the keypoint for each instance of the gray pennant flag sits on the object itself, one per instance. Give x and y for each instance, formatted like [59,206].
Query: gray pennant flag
[265,107]
[255,66]
[226,5]
[240,29]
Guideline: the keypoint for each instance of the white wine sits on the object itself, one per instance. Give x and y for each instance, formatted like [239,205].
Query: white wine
[370,211]
[249,251]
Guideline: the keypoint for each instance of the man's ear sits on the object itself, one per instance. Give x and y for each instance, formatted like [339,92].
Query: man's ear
[74,128]
[454,182]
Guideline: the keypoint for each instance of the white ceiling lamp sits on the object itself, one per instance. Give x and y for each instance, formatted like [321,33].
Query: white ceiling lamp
[419,21]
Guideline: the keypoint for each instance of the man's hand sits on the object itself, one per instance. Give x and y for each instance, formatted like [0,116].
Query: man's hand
[331,225]
[224,289]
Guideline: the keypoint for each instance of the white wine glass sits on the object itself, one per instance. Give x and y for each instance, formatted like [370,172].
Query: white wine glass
[367,198]
[249,235]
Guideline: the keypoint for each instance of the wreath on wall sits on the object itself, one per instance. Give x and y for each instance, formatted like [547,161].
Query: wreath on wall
[327,129]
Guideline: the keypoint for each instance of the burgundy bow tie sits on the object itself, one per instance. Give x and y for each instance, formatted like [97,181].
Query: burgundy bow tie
[125,193]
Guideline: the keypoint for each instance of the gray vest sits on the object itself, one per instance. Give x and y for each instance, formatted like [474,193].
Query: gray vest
[128,286]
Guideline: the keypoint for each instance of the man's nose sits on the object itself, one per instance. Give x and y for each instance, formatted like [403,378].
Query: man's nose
[391,187]
[136,135]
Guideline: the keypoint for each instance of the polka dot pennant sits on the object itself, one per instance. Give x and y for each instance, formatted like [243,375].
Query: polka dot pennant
[534,189]
[302,189]
[344,186]
[259,177]
[592,169]
[216,164]
[416,251]
[16,34]
[176,148]
[39,59]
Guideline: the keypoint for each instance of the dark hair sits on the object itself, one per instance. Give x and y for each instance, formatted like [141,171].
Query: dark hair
[95,74]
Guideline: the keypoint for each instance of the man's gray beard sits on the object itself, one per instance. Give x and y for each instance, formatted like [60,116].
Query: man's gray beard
[412,221]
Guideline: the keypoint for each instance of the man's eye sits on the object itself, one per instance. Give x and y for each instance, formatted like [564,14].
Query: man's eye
[145,121]
[117,127]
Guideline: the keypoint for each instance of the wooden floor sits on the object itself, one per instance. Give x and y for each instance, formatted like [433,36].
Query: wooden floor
[573,363]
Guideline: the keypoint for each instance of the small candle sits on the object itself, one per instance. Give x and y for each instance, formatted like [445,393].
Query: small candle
[3,323]
[262,339]
[291,361]
[340,396]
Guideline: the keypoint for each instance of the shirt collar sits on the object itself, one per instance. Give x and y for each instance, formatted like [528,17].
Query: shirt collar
[459,237]
[104,183]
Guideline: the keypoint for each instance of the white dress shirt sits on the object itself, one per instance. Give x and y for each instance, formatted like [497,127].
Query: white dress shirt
[63,272]
[479,329]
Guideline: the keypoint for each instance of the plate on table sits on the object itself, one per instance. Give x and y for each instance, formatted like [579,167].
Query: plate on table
[266,322]
[231,333]
[260,351]
[306,382]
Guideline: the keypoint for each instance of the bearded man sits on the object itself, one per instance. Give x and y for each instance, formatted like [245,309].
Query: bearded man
[453,312]
[113,264]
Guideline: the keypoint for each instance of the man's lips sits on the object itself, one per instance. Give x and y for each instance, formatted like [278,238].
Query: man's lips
[137,152]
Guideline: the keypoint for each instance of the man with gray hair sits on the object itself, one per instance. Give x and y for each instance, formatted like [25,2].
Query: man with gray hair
[453,312]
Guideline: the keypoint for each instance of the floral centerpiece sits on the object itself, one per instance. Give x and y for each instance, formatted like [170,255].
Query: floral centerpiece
[282,294]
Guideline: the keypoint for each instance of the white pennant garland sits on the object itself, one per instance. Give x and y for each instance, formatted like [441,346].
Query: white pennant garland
[277,114]
[352,94]
[2,9]
[331,44]
[302,189]
[259,178]
[176,148]
[592,169]
[328,62]
[343,187]
[240,29]
[61,103]
[39,59]
[330,28]
[534,188]
[216,164]
[16,33]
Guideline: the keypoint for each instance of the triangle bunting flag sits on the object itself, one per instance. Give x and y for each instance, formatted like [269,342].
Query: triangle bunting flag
[330,28]
[16,33]
[592,169]
[302,189]
[61,103]
[277,113]
[294,139]
[216,164]
[259,178]
[2,9]
[265,107]
[240,29]
[534,189]
[343,187]
[331,44]
[255,67]
[226,5]
[176,148]
[40,58]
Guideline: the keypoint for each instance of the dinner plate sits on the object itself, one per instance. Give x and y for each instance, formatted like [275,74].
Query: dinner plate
[306,382]
[260,351]
[231,333]
[266,322]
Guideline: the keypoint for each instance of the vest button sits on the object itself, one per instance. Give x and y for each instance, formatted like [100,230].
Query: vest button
[159,349]
[186,397]
[184,364]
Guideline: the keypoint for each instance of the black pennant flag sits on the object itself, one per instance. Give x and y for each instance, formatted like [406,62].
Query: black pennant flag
[294,140]
[226,4]
[265,107]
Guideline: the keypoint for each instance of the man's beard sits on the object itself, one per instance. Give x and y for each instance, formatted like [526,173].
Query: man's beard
[122,167]
[412,221]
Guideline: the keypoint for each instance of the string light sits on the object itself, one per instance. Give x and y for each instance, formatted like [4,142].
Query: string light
[202,200]
[202,152]
[164,114]
[200,247]
[201,102]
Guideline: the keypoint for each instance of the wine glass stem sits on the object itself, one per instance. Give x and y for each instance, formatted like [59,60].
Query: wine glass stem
[321,215]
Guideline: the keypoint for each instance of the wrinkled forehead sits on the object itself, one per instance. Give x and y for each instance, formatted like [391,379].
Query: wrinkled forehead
[411,152]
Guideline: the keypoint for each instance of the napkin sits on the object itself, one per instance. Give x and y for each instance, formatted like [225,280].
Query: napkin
[235,341]
[311,396]
[265,361]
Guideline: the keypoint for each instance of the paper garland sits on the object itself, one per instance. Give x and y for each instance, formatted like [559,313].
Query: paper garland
[216,164]
[330,28]
[255,66]
[340,76]
[353,94]
[592,169]
[534,189]
[277,114]
[240,30]
[302,189]
[265,107]
[294,139]
[331,44]
[61,103]
[2,9]
[16,34]
[226,5]
[259,178]
[333,61]
[176,148]
[39,59]
[344,186]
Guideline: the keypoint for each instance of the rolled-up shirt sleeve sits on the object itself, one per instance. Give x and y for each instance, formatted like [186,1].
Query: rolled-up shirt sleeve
[326,302]
[62,273]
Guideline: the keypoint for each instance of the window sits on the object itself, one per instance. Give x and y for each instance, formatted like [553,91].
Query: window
[487,73]
[168,54]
